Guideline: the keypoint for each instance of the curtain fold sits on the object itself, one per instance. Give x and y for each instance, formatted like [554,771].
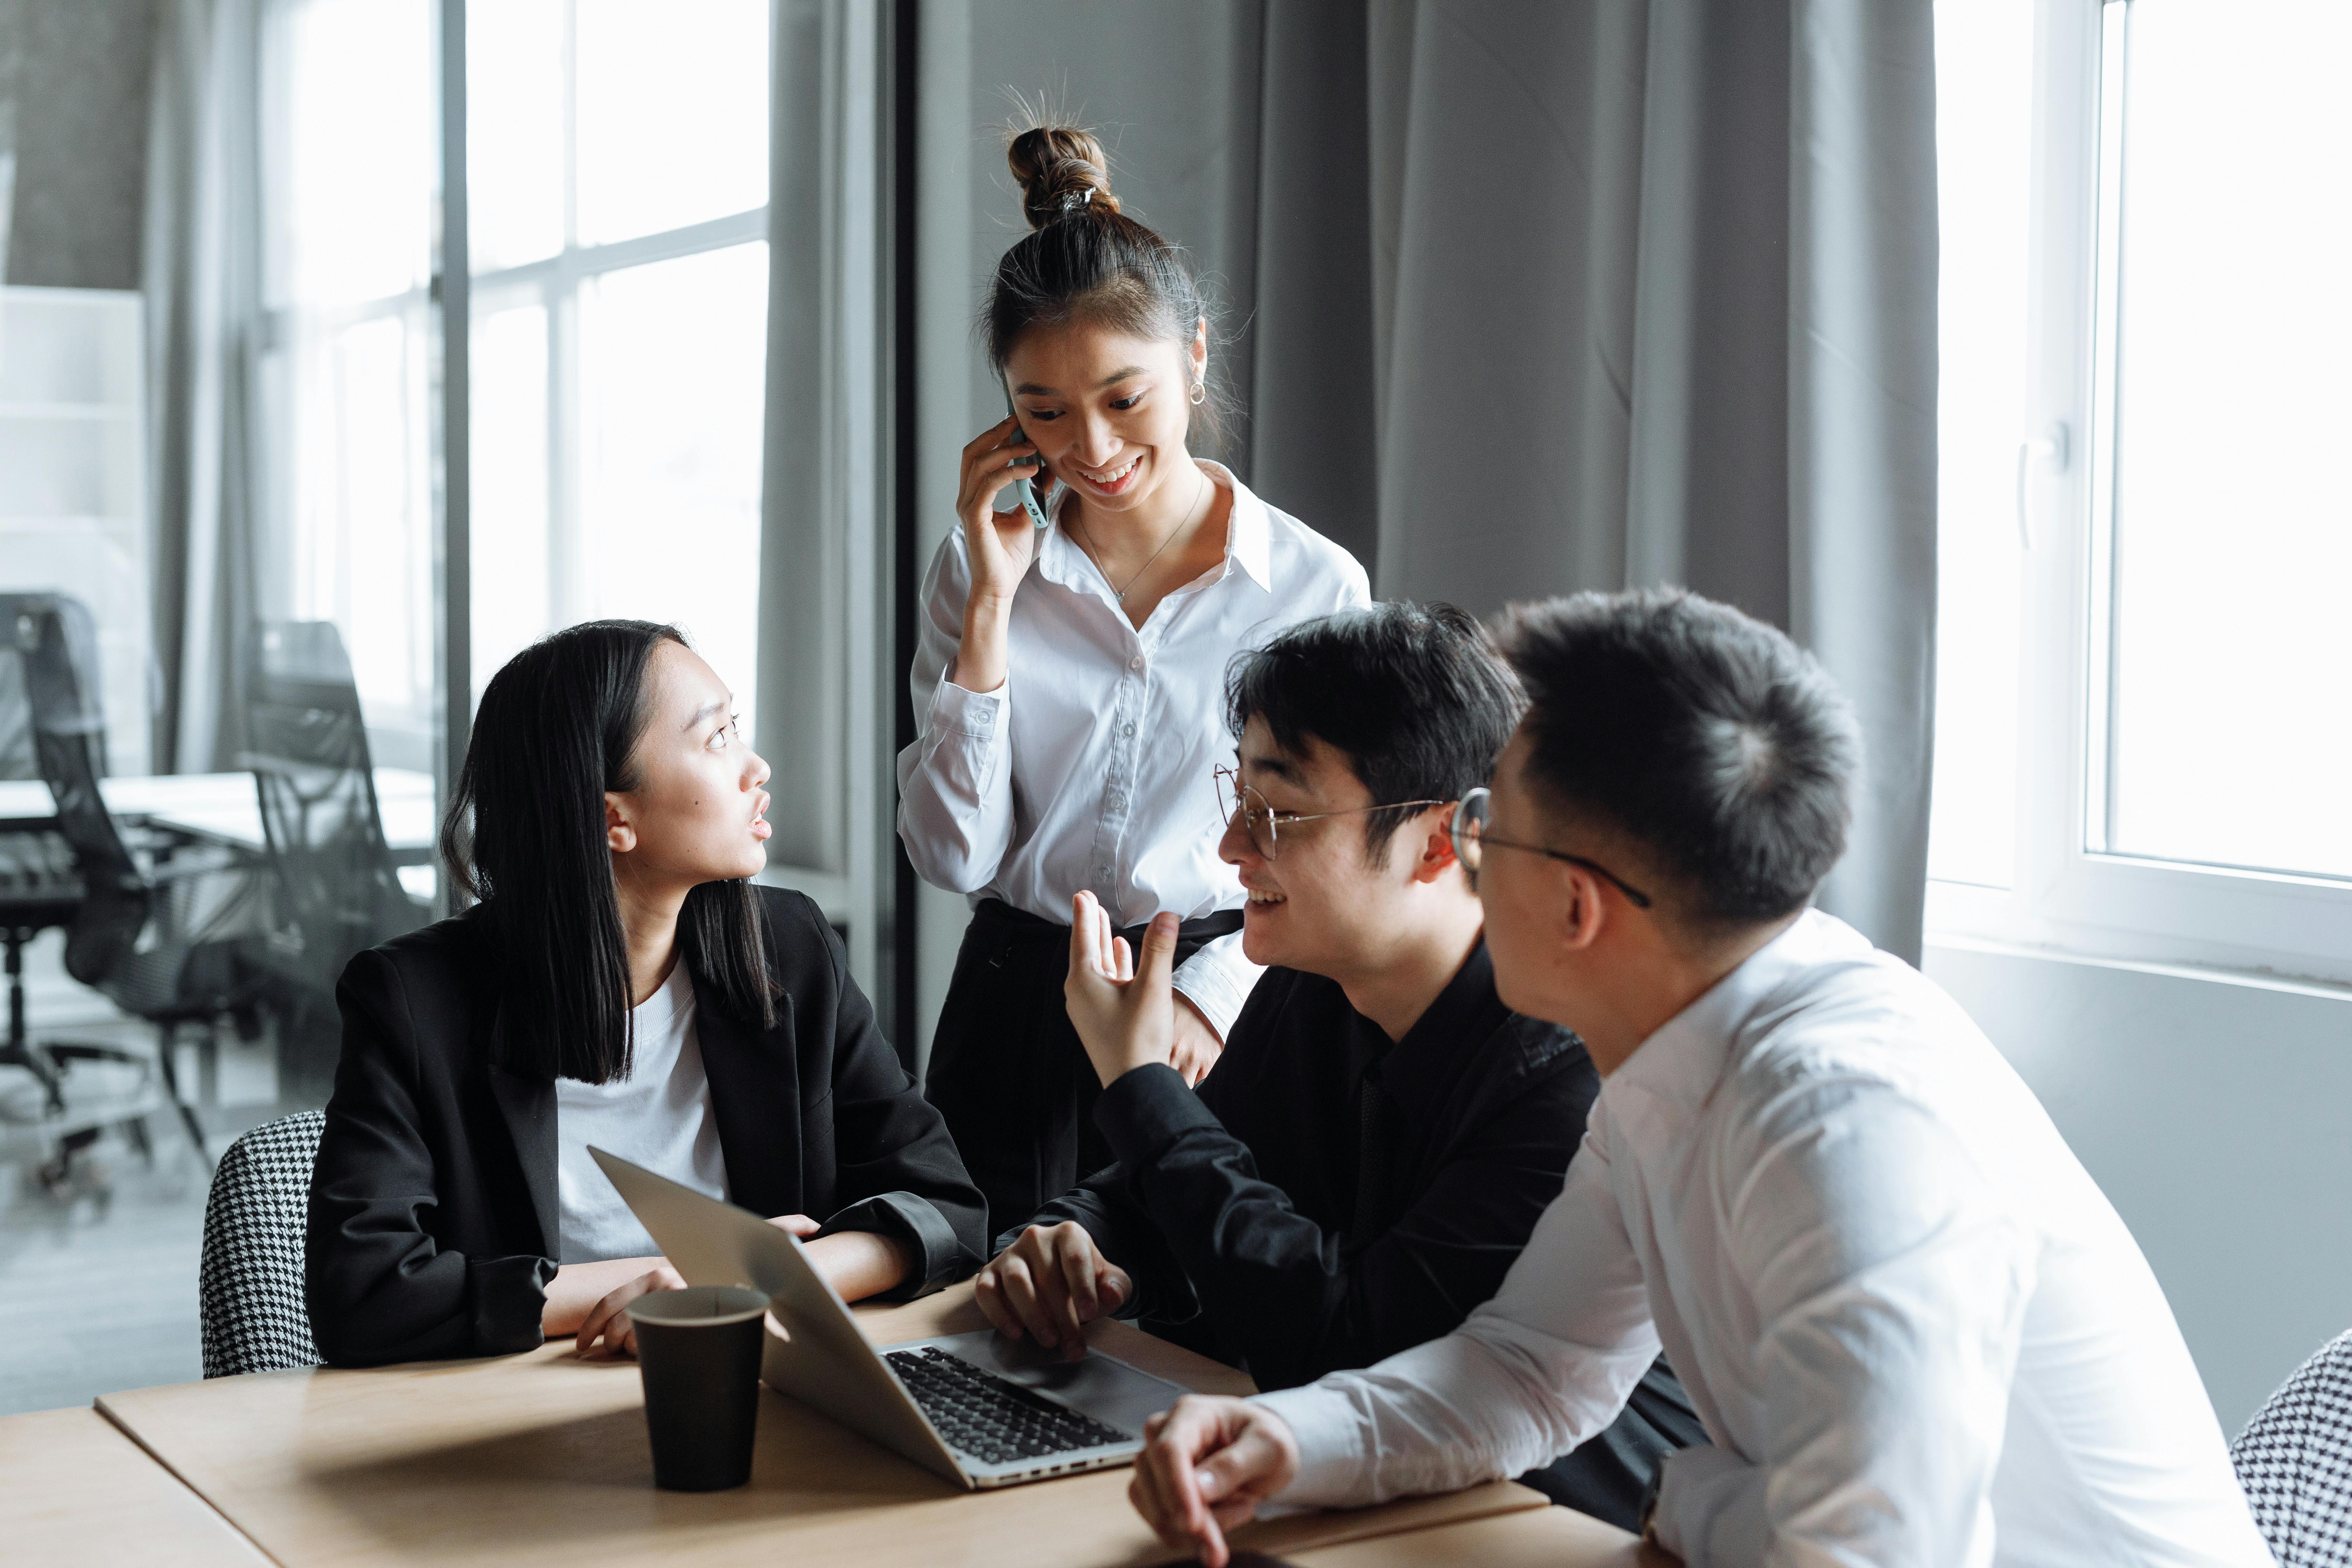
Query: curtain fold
[202,281]
[1652,300]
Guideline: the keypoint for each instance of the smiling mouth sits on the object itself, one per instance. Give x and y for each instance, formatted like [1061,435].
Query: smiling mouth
[1110,479]
[1260,899]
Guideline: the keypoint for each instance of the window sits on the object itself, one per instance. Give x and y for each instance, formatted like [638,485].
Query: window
[618,175]
[2142,737]
[618,184]
[347,126]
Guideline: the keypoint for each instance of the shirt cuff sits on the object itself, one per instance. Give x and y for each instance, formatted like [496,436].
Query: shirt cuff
[978,714]
[1333,1466]
[1145,1110]
[1218,980]
[1711,1508]
[934,1257]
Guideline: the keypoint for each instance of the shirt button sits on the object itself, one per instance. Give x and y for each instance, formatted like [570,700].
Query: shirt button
[1128,733]
[1135,663]
[1117,800]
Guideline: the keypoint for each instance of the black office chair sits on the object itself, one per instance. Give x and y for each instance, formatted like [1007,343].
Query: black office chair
[318,809]
[40,886]
[249,1284]
[2295,1459]
[148,912]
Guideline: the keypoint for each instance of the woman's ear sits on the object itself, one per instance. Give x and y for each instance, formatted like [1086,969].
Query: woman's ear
[620,833]
[1199,352]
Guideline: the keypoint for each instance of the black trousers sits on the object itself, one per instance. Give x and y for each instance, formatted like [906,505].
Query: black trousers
[1607,1475]
[1007,1071]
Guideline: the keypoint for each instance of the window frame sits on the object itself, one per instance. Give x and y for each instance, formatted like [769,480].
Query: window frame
[2066,893]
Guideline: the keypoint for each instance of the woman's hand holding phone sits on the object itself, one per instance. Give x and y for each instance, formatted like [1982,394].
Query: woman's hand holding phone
[1000,545]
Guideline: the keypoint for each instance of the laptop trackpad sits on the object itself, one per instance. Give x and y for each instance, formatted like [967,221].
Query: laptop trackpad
[1104,1388]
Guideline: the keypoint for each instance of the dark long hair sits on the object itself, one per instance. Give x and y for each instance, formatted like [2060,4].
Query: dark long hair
[557,727]
[1088,261]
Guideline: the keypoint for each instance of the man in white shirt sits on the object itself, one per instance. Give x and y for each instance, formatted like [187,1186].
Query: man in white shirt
[1914,1328]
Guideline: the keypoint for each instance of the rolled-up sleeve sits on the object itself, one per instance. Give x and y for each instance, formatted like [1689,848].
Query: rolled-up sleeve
[955,780]
[1218,979]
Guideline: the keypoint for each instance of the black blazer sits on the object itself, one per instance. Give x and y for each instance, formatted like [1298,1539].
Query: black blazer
[434,1221]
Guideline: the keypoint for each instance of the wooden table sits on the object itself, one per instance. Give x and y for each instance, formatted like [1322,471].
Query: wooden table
[543,1459]
[73,1489]
[1535,1538]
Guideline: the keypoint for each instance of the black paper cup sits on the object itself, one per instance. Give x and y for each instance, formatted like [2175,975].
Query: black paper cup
[698,1354]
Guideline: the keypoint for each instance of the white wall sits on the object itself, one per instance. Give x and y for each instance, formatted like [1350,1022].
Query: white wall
[2212,1110]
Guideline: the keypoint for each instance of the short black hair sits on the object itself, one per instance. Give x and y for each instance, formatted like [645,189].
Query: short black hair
[1707,736]
[1415,695]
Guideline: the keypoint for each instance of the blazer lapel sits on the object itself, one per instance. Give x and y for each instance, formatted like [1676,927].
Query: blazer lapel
[755,1099]
[528,1104]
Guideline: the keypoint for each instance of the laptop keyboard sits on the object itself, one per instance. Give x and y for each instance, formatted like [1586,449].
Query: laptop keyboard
[994,1421]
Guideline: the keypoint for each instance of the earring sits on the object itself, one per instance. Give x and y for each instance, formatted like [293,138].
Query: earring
[1200,393]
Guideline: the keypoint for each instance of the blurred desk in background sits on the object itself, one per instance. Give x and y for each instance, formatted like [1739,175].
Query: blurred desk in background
[225,808]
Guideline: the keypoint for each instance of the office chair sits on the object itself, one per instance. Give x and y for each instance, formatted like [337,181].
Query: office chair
[40,886]
[2295,1459]
[317,782]
[249,1283]
[146,912]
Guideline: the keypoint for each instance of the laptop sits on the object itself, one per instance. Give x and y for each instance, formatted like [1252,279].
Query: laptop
[976,1408]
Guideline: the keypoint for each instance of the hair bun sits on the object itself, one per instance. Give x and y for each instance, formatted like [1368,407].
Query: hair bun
[1061,170]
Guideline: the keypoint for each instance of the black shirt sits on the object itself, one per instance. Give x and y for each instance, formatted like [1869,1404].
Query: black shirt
[1328,1199]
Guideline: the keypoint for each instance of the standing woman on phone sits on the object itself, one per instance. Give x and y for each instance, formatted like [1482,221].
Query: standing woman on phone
[1070,677]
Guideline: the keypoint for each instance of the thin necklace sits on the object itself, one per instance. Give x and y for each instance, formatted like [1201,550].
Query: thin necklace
[1088,543]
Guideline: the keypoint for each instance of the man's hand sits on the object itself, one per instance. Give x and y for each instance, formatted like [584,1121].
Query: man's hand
[1123,1007]
[1051,1282]
[1206,1465]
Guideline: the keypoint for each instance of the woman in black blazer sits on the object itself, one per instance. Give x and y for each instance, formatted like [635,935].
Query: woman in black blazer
[614,817]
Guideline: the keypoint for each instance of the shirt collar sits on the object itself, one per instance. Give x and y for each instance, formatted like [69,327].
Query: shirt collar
[1685,1057]
[1421,1068]
[1248,544]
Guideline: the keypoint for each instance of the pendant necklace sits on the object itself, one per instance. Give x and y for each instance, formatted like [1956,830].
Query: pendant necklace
[1089,544]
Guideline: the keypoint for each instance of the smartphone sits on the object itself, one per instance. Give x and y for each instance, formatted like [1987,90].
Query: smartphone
[1022,488]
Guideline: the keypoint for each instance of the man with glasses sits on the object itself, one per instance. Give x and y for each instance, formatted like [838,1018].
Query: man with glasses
[1916,1331]
[1381,1132]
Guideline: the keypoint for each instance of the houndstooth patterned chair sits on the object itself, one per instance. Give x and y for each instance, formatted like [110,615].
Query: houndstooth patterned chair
[250,1282]
[2295,1459]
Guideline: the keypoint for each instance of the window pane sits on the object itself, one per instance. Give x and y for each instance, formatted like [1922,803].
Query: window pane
[2232,525]
[349,100]
[673,362]
[363,552]
[1984,122]
[510,584]
[514,132]
[673,113]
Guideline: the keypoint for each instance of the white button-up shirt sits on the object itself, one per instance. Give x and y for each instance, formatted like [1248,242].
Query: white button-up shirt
[1915,1329]
[1092,766]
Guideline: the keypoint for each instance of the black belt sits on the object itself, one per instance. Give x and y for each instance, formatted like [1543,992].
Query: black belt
[1019,926]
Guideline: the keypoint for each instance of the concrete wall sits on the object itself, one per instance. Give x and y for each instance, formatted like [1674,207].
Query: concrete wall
[2213,1111]
[73,86]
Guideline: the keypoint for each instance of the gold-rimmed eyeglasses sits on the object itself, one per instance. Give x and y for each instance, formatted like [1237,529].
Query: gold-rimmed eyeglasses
[1471,842]
[1265,824]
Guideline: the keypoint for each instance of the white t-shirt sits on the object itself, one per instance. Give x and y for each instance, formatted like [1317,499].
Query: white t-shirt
[659,1117]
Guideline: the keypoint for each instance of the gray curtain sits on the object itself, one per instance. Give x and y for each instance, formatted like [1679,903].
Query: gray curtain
[1651,299]
[202,286]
